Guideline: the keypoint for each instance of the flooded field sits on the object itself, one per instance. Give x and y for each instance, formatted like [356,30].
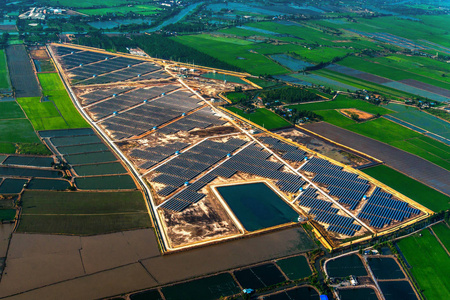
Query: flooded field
[393,290]
[209,288]
[224,77]
[295,267]
[259,277]
[361,293]
[48,184]
[82,148]
[23,172]
[12,186]
[100,169]
[90,158]
[118,182]
[257,206]
[290,62]
[385,268]
[346,266]
[304,293]
[34,161]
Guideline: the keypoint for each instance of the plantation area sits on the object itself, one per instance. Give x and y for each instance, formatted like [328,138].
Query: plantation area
[142,9]
[82,213]
[381,129]
[263,117]
[429,262]
[409,187]
[17,132]
[58,112]
[4,78]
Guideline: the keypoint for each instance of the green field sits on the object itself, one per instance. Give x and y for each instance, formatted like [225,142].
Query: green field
[342,101]
[242,56]
[14,128]
[122,10]
[82,213]
[4,77]
[443,233]
[263,117]
[389,70]
[7,214]
[381,129]
[430,264]
[409,187]
[57,113]
[87,3]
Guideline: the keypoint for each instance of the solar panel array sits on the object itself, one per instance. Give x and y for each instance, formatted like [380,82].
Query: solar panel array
[189,165]
[125,74]
[74,60]
[346,186]
[83,72]
[153,155]
[380,209]
[126,100]
[202,118]
[98,95]
[143,118]
[64,50]
[292,152]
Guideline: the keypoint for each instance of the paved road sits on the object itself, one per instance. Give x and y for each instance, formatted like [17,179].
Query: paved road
[414,166]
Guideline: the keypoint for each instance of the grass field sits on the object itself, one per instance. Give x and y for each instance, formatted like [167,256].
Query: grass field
[430,264]
[122,10]
[14,127]
[443,233]
[4,77]
[409,187]
[242,56]
[263,117]
[381,129]
[87,3]
[389,71]
[59,112]
[82,213]
[342,101]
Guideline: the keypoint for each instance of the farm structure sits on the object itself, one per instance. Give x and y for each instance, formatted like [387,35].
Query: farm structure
[182,147]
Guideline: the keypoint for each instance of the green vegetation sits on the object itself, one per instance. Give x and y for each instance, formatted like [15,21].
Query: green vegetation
[159,46]
[443,233]
[288,94]
[4,77]
[82,213]
[409,187]
[58,112]
[245,57]
[263,117]
[381,129]
[89,3]
[429,262]
[142,9]
[343,101]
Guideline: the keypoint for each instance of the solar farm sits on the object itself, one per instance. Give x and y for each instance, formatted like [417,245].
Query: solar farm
[182,147]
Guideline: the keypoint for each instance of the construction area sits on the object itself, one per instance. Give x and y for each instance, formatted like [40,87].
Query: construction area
[183,149]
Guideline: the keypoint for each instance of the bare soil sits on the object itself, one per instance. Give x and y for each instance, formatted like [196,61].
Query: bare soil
[362,115]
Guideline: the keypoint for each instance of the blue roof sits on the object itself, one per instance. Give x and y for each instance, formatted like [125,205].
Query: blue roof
[323,297]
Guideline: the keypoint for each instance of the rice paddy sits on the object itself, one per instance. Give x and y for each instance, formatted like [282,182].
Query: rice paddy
[424,253]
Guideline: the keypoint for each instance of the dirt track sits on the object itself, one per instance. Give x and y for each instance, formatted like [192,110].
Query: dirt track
[402,161]
[21,72]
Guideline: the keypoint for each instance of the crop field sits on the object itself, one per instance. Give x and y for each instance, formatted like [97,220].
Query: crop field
[424,253]
[4,77]
[88,3]
[295,267]
[14,127]
[263,117]
[409,187]
[141,9]
[43,115]
[228,40]
[340,102]
[443,233]
[7,214]
[53,87]
[381,129]
[320,80]
[421,119]
[82,213]
[389,71]
[245,56]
